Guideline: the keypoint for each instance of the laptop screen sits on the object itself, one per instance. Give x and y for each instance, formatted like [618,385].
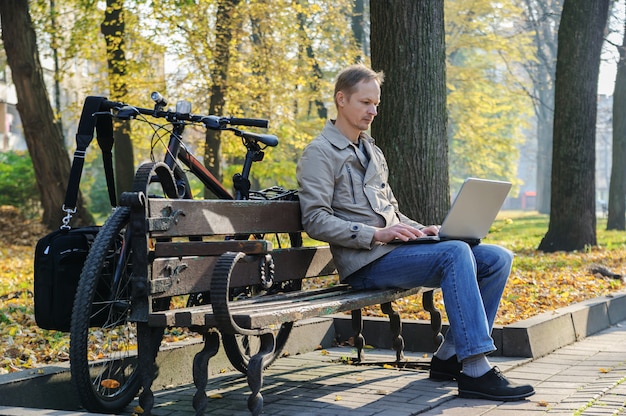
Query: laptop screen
[474,209]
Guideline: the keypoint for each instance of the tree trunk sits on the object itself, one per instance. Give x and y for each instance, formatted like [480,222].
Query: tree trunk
[545,127]
[43,138]
[572,209]
[412,117]
[317,74]
[543,17]
[617,187]
[219,75]
[544,90]
[358,27]
[113,28]
[54,33]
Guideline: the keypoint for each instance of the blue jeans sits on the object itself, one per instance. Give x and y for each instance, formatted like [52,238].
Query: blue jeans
[472,279]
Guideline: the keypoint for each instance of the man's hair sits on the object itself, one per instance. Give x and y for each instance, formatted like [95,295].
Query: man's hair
[349,77]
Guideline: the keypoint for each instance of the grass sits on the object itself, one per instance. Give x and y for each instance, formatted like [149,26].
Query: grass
[543,282]
[522,231]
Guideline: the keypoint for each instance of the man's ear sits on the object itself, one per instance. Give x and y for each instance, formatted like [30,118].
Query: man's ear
[340,97]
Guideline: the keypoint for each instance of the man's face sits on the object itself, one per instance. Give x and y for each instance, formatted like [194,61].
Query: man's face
[360,108]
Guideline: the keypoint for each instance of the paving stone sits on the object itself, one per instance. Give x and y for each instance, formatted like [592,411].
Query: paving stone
[586,378]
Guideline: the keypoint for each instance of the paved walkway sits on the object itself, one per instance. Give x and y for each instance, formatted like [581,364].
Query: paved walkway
[586,378]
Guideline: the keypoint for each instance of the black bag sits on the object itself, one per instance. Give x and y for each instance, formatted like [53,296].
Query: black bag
[59,259]
[60,255]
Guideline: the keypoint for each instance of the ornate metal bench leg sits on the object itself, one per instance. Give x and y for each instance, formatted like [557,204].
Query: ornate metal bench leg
[359,340]
[255,373]
[149,341]
[435,316]
[201,369]
[396,329]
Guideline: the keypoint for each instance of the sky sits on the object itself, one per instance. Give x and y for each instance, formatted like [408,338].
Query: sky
[608,65]
[606,80]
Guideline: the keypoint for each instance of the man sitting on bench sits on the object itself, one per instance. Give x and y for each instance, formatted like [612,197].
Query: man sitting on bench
[346,201]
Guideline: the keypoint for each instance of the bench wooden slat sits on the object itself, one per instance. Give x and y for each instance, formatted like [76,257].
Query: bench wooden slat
[194,315]
[219,217]
[264,311]
[305,307]
[180,276]
[210,248]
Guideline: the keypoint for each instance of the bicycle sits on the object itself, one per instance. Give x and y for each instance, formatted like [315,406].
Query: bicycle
[102,358]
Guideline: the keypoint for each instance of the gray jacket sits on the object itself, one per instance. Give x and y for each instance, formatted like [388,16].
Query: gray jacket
[343,202]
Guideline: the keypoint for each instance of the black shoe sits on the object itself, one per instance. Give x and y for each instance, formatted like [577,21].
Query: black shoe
[445,369]
[492,386]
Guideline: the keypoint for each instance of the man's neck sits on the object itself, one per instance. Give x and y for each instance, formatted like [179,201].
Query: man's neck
[348,131]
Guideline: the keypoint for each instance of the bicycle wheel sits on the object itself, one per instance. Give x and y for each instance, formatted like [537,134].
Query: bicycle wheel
[240,348]
[103,346]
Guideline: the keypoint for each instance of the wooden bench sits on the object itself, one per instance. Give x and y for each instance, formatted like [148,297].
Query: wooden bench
[187,247]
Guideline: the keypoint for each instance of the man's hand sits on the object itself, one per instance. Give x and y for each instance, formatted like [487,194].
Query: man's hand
[403,232]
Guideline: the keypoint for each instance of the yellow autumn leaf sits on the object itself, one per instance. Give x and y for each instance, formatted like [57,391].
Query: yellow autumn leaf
[110,383]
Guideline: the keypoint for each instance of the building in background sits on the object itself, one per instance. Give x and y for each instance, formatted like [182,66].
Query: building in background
[11,132]
[604,150]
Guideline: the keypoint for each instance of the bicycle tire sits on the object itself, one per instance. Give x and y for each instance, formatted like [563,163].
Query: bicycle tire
[240,348]
[103,359]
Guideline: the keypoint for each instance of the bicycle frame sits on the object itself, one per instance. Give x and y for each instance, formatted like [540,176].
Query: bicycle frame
[241,181]
[202,173]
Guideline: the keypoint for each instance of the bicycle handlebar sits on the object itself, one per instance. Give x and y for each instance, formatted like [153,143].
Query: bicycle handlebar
[126,112]
[251,122]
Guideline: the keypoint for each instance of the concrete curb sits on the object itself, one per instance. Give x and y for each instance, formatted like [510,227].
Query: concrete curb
[49,387]
[544,333]
[531,338]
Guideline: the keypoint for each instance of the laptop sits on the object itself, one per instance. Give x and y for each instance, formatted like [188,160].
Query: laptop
[473,211]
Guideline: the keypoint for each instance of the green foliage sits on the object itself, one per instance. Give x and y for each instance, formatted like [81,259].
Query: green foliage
[95,191]
[269,73]
[17,182]
[488,106]
[284,56]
